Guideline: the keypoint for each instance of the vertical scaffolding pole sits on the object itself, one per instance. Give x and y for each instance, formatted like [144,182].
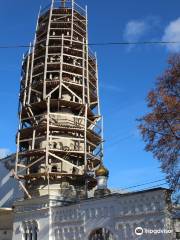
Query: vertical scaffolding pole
[72,24]
[102,138]
[47,131]
[31,73]
[97,85]
[33,138]
[46,51]
[17,150]
[32,59]
[87,58]
[19,127]
[61,67]
[85,150]
[47,141]
[83,66]
[17,144]
[20,89]
[27,75]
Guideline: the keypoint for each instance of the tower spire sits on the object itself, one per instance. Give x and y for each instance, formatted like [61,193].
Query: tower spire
[63,3]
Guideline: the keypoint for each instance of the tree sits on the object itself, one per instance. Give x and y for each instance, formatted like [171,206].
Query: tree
[160,128]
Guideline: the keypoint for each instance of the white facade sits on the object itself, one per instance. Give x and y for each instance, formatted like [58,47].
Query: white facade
[120,214]
[9,187]
[6,223]
[47,218]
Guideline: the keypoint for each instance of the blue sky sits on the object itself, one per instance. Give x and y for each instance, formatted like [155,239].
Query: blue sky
[126,74]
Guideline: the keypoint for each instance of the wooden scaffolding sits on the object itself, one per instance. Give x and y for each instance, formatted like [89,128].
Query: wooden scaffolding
[59,140]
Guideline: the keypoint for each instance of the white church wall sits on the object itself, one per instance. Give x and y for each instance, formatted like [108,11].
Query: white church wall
[120,214]
[41,217]
[29,214]
[5,234]
[79,220]
[6,224]
[9,187]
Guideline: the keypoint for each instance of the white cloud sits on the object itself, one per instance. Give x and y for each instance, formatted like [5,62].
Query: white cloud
[4,152]
[135,29]
[172,34]
[111,87]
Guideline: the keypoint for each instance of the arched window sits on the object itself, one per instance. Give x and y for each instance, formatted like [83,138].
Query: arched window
[31,234]
[25,231]
[54,168]
[30,230]
[101,234]
[34,237]
[25,236]
[34,230]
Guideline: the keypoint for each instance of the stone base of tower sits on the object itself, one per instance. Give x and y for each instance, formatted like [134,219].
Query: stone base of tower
[65,191]
[112,217]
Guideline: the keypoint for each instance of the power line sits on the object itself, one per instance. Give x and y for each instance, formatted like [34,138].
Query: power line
[139,185]
[135,43]
[154,186]
[102,44]
[141,189]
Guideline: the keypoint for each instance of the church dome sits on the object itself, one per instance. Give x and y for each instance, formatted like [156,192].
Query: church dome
[102,171]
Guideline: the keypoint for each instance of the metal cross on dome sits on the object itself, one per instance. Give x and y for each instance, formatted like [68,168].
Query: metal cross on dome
[63,3]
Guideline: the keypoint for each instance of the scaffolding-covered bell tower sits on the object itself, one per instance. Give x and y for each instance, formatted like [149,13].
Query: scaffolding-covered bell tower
[59,140]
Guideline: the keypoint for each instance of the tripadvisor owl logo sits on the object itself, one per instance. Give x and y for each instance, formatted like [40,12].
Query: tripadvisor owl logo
[139,231]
